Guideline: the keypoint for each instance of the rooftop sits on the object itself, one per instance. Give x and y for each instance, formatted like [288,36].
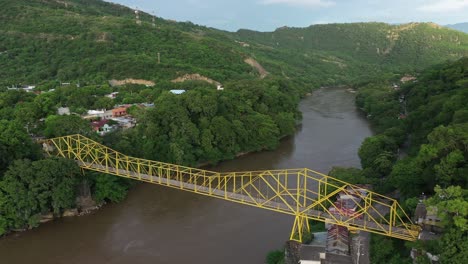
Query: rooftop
[100,123]
[337,259]
[177,91]
[428,235]
[320,239]
[317,253]
[119,109]
[124,120]
[311,252]
[95,112]
[147,104]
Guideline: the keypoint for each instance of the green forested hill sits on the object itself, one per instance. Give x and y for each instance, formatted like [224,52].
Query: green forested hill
[93,41]
[366,46]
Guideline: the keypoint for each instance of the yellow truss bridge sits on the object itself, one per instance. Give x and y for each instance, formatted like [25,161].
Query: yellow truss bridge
[302,193]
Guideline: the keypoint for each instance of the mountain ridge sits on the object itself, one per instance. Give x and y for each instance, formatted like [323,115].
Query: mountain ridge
[93,40]
[463,27]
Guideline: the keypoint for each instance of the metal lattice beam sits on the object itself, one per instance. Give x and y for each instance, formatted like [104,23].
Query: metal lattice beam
[302,193]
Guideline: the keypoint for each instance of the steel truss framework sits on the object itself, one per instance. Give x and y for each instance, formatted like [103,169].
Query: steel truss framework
[302,193]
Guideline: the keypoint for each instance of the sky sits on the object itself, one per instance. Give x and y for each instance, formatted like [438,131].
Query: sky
[267,15]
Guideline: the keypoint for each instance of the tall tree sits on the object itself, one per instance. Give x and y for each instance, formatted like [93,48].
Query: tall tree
[31,188]
[57,126]
[15,143]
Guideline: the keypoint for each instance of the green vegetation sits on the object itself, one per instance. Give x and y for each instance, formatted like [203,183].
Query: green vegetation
[109,187]
[351,175]
[317,226]
[275,257]
[91,42]
[31,185]
[357,51]
[435,126]
[204,125]
[453,201]
[29,188]
[387,250]
[435,133]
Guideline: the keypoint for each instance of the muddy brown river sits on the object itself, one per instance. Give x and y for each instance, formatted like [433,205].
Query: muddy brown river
[157,224]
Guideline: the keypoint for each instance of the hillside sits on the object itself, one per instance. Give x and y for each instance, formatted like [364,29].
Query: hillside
[460,27]
[92,41]
[432,129]
[359,47]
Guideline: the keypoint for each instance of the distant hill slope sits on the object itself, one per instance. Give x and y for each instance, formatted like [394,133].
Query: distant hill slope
[95,41]
[390,47]
[460,27]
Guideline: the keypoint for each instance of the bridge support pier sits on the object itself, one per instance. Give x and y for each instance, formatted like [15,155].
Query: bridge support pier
[300,227]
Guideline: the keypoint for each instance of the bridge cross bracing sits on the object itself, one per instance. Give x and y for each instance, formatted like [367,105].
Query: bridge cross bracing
[302,193]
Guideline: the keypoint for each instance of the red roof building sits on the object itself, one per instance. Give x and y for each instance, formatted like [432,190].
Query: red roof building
[97,125]
[121,111]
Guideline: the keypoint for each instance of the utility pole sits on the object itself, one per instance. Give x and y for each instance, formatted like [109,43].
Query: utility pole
[137,17]
[159,58]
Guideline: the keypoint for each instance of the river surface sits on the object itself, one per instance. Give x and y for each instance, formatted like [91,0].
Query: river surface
[157,224]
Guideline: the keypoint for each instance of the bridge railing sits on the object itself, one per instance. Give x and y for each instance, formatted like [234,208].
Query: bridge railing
[303,193]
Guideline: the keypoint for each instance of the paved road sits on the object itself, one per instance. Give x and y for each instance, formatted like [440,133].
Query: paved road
[360,246]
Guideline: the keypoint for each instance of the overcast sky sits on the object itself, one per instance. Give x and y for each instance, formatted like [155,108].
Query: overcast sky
[266,15]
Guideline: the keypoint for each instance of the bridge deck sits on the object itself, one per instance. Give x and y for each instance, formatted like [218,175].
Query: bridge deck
[244,199]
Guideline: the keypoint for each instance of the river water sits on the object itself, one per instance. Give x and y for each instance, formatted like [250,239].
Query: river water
[162,225]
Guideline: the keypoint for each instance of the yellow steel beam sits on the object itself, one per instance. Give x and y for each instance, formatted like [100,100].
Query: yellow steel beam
[302,193]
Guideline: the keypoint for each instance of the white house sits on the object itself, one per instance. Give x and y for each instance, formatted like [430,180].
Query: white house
[26,88]
[102,114]
[63,111]
[112,95]
[177,91]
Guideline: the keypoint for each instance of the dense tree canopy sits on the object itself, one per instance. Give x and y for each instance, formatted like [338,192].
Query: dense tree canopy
[30,188]
[436,134]
[204,124]
[56,126]
[15,144]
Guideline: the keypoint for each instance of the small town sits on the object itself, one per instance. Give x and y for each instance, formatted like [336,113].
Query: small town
[104,121]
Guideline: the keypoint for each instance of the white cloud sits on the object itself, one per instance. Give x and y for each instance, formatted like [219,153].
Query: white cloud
[305,3]
[444,6]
